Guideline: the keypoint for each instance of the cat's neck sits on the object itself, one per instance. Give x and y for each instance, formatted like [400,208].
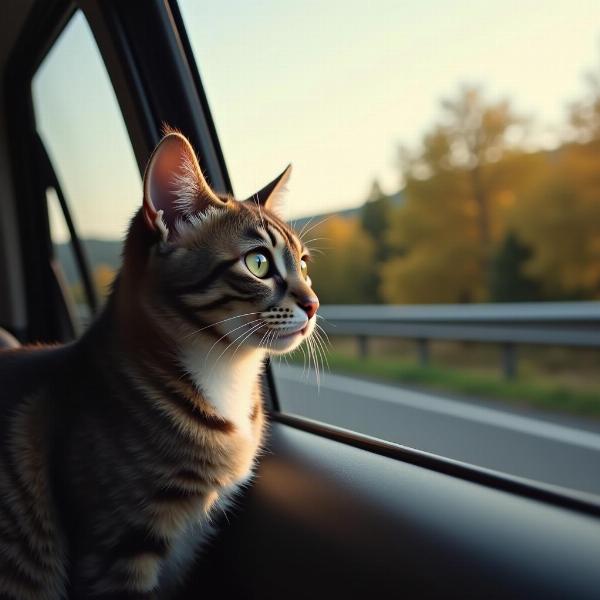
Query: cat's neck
[227,377]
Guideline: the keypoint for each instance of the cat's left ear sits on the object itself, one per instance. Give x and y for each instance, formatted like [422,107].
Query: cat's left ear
[174,187]
[271,194]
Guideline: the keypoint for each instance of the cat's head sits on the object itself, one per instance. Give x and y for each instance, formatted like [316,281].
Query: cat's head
[227,271]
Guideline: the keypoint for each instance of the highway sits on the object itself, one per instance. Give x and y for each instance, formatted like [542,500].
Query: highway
[558,451]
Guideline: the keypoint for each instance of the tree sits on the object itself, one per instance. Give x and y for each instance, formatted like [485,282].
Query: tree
[104,276]
[472,134]
[343,274]
[584,115]
[459,187]
[508,281]
[560,222]
[375,219]
[434,239]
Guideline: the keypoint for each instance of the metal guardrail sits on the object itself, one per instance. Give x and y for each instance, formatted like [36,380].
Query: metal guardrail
[575,324]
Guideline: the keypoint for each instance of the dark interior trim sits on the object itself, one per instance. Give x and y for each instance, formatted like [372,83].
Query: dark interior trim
[45,320]
[553,495]
[327,520]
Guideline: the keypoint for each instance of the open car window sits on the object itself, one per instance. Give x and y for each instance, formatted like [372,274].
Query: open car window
[448,188]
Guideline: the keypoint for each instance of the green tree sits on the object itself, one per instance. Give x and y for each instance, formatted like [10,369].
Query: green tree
[375,219]
[508,281]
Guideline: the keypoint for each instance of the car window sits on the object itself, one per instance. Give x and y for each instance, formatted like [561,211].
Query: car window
[81,125]
[446,173]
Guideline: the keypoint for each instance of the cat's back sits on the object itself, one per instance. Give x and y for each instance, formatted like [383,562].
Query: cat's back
[30,369]
[32,547]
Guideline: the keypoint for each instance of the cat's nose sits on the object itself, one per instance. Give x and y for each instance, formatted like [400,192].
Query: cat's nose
[309,304]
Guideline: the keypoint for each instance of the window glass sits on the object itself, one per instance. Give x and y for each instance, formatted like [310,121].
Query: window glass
[81,126]
[65,260]
[446,159]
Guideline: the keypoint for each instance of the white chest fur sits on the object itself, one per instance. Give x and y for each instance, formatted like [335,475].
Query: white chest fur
[227,382]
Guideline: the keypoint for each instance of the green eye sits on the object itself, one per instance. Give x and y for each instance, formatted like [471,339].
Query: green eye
[257,263]
[304,269]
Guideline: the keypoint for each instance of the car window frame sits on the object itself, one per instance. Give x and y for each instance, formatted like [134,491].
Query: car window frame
[146,99]
[51,320]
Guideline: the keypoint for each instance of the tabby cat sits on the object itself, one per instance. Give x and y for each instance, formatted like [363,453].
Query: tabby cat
[115,450]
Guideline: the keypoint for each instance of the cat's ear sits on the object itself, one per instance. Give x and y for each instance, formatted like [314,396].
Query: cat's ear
[271,194]
[174,187]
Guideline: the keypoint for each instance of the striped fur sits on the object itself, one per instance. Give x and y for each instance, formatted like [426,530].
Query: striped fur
[116,450]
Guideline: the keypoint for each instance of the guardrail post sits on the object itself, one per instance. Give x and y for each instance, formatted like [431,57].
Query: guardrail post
[423,350]
[509,360]
[363,346]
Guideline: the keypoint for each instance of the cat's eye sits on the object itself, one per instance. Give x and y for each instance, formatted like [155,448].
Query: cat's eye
[257,263]
[304,268]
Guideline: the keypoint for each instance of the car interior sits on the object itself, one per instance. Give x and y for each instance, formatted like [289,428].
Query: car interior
[332,513]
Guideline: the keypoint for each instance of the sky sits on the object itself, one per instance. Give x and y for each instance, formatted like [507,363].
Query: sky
[332,87]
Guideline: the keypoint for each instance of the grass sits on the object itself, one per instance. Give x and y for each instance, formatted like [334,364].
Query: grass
[524,391]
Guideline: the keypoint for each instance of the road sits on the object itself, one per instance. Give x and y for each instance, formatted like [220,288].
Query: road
[555,451]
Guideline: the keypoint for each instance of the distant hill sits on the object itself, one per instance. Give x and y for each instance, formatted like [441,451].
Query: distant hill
[98,252]
[108,252]
[396,199]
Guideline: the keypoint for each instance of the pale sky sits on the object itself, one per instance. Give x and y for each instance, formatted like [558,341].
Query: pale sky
[331,86]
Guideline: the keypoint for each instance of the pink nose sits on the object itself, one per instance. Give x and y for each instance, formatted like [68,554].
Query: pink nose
[309,305]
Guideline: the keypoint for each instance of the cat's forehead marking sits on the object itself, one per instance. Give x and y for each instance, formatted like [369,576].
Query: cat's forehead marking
[278,248]
[276,237]
[277,230]
[264,234]
[286,236]
[254,235]
[271,235]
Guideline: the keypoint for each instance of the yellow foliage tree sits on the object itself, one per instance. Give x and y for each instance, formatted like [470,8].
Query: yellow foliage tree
[103,279]
[560,222]
[436,236]
[342,274]
[459,189]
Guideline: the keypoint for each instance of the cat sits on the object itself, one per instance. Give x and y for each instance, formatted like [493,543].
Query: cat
[115,450]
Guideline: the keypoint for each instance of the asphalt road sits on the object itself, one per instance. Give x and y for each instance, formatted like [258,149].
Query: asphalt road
[557,451]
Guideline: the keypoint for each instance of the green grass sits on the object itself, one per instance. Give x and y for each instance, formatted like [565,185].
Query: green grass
[522,391]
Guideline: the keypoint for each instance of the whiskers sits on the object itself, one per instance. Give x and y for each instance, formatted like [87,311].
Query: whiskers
[197,331]
[314,350]
[308,227]
[317,346]
[254,327]
[243,325]
[309,244]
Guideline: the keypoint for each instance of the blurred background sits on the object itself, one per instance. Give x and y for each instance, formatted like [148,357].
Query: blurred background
[446,158]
